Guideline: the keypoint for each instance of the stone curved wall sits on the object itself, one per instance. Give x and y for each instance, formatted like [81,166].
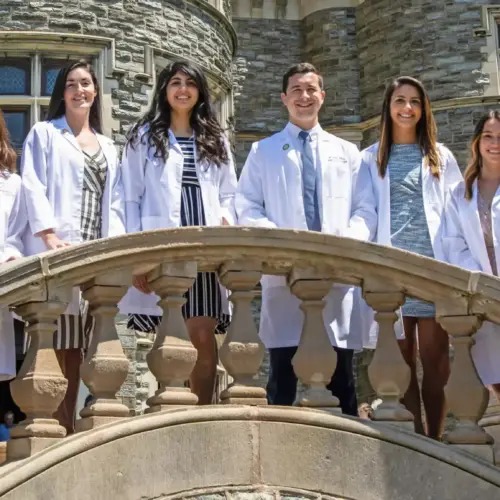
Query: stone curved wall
[330,44]
[249,454]
[430,40]
[188,29]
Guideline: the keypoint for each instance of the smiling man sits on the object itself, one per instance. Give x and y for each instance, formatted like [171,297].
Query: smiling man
[305,178]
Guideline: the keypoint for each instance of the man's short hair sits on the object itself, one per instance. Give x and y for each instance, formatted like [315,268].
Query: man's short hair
[301,68]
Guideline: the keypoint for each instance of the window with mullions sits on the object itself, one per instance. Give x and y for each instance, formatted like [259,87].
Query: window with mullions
[26,84]
[50,70]
[15,77]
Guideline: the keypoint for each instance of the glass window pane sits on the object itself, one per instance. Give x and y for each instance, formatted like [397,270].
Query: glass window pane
[50,70]
[15,77]
[50,80]
[17,121]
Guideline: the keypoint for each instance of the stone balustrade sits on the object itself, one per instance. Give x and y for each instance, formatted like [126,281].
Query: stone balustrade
[38,288]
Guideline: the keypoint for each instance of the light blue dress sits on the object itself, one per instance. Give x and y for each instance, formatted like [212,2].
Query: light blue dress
[409,230]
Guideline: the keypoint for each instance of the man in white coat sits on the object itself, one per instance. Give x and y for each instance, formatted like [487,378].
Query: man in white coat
[305,178]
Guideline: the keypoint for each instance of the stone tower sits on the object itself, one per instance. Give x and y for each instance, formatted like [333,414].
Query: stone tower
[359,46]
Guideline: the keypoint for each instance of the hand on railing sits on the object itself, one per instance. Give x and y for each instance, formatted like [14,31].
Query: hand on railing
[141,283]
[52,241]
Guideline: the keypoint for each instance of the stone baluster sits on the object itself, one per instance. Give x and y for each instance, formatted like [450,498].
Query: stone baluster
[40,385]
[105,367]
[315,360]
[242,351]
[388,372]
[173,356]
[466,396]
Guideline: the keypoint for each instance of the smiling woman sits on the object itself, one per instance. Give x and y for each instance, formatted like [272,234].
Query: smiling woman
[472,228]
[178,171]
[73,194]
[411,173]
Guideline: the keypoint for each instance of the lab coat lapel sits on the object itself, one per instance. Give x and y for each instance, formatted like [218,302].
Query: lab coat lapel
[62,125]
[473,226]
[291,195]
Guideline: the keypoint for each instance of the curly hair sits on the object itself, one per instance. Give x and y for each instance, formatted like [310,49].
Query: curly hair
[155,123]
[473,170]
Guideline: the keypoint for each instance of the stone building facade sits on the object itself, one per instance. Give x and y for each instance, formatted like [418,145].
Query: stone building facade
[360,45]
[245,47]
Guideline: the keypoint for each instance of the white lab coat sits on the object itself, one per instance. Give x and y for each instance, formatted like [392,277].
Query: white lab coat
[52,173]
[13,223]
[270,195]
[465,247]
[433,192]
[153,201]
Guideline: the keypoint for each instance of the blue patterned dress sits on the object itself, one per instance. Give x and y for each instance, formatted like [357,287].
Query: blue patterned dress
[409,230]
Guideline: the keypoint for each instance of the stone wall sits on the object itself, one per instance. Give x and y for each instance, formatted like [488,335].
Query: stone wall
[430,40]
[330,44]
[455,130]
[181,27]
[228,9]
[266,48]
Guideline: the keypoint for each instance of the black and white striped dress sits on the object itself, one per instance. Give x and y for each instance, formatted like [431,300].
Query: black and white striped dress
[73,331]
[204,298]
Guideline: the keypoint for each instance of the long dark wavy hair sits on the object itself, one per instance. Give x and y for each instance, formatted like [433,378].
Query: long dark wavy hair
[209,136]
[57,108]
[426,127]
[473,170]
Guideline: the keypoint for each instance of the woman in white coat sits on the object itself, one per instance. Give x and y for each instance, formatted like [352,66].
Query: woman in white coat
[72,186]
[472,232]
[178,171]
[12,225]
[13,222]
[410,173]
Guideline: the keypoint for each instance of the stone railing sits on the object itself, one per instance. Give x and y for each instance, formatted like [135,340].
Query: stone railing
[39,289]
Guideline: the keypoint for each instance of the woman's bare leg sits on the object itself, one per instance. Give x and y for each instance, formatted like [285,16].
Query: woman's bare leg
[408,347]
[202,381]
[435,356]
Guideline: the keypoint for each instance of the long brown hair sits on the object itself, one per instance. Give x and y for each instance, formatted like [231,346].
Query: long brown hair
[426,128]
[7,154]
[476,162]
